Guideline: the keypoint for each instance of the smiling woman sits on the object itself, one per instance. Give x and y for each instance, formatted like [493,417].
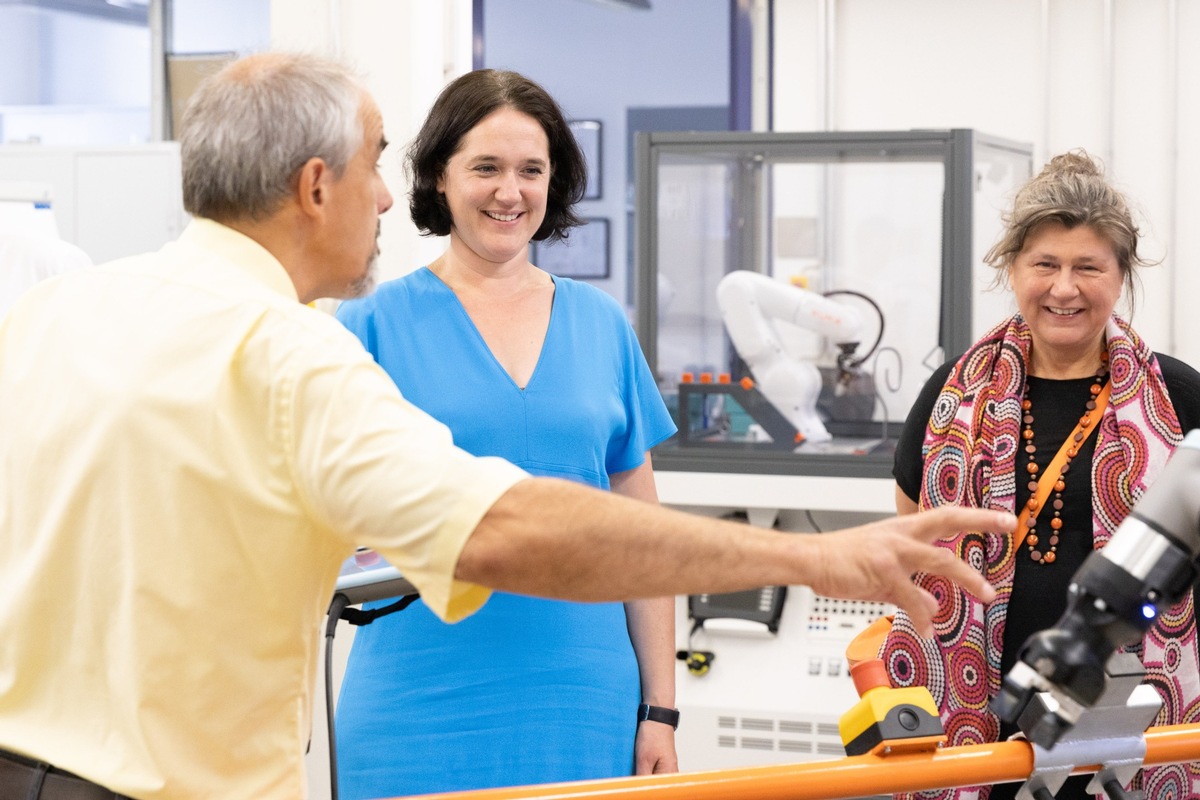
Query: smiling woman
[1067,282]
[986,427]
[545,372]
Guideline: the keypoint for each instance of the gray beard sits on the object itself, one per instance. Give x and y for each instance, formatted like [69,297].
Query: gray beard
[366,282]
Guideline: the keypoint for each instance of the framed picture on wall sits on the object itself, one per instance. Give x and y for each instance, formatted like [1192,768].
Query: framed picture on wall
[587,133]
[583,255]
[184,73]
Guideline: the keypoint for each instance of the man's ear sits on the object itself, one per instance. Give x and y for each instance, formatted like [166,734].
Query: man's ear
[312,186]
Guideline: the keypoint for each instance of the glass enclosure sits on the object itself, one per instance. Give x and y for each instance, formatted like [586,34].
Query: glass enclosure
[80,73]
[796,290]
[74,73]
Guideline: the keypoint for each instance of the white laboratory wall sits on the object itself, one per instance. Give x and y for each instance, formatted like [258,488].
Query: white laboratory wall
[220,26]
[1106,76]
[406,53]
[20,37]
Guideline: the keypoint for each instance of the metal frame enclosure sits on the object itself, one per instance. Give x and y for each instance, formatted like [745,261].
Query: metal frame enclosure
[957,150]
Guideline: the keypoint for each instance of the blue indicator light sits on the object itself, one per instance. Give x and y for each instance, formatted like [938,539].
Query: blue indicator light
[1148,611]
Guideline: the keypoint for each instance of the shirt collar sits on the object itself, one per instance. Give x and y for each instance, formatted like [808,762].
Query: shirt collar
[241,250]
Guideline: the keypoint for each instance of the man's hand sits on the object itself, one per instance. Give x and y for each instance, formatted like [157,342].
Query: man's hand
[877,561]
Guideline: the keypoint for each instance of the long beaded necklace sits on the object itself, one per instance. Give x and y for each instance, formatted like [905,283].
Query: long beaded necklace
[1047,555]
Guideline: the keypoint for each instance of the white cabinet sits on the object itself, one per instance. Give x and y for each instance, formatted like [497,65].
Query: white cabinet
[109,201]
[772,698]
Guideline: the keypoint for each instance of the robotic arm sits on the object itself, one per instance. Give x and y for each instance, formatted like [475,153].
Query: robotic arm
[1114,597]
[751,304]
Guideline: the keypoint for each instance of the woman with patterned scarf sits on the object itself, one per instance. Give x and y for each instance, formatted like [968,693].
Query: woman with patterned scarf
[983,433]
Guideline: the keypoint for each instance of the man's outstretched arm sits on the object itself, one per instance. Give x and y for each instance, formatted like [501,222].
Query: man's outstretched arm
[553,538]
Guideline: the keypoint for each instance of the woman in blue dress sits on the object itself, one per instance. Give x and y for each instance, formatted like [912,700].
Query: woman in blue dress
[547,373]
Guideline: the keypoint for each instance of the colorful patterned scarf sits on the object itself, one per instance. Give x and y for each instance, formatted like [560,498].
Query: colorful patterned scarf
[970,451]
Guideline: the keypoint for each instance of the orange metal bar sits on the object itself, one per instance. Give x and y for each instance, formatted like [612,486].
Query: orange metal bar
[855,776]
[1172,744]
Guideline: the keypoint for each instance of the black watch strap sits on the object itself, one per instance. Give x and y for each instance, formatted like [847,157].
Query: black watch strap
[667,716]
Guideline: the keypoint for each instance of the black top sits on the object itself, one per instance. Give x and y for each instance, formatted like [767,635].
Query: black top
[1039,595]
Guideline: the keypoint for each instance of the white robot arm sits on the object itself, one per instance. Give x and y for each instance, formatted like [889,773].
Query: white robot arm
[751,304]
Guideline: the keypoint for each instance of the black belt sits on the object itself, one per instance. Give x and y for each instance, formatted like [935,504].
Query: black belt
[25,779]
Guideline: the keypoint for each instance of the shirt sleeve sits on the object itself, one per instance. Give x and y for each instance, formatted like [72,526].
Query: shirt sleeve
[1183,387]
[378,471]
[909,463]
[649,422]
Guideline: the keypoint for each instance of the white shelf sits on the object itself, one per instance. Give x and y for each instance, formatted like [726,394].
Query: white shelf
[742,490]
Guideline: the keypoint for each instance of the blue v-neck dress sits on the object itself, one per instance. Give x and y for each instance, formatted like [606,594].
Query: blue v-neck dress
[526,690]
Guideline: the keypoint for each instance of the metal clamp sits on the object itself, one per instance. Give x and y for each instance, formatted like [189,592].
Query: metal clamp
[1109,733]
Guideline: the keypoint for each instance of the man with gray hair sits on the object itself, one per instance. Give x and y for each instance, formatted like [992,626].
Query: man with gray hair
[189,454]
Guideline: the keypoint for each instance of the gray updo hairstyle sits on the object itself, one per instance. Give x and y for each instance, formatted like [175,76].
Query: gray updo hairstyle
[1071,190]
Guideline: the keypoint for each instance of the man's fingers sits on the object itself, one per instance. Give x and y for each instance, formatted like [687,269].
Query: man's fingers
[943,562]
[909,550]
[946,521]
[920,606]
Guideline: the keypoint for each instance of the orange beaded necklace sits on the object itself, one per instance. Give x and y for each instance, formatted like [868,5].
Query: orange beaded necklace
[1039,489]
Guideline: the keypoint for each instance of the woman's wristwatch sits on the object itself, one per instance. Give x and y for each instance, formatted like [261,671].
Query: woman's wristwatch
[667,716]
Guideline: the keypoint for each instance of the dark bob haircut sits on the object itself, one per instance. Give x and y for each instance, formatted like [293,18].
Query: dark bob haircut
[461,106]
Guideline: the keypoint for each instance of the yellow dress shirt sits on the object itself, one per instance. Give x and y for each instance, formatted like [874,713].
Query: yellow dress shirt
[187,455]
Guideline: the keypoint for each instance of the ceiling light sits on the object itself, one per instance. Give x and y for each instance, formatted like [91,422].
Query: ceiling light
[625,5]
